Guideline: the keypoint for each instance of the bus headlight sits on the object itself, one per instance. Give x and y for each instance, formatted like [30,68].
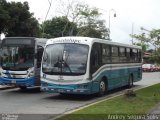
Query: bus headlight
[31,74]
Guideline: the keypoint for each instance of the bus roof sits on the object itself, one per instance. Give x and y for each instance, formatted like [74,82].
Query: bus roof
[40,41]
[87,40]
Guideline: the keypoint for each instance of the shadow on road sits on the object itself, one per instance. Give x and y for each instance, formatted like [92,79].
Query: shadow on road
[28,90]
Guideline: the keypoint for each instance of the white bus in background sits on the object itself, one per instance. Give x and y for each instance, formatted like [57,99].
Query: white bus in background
[83,65]
[21,61]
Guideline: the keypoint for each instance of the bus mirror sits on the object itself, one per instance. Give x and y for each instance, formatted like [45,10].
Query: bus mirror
[90,76]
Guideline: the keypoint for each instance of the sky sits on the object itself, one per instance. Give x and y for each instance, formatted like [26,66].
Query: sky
[131,15]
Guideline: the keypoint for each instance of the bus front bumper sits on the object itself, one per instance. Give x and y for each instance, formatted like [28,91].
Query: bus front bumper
[18,82]
[84,88]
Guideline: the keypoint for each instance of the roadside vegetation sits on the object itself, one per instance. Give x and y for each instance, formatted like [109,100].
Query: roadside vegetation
[121,106]
[73,18]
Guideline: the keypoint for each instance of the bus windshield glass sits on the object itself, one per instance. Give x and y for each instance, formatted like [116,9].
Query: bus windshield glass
[65,59]
[17,58]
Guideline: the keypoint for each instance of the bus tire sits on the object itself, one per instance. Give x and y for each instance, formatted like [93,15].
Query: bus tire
[130,81]
[23,87]
[102,87]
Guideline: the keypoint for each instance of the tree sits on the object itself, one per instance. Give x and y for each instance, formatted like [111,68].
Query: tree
[142,41]
[55,27]
[71,10]
[92,25]
[143,45]
[155,38]
[4,16]
[88,31]
[152,38]
[17,20]
[86,18]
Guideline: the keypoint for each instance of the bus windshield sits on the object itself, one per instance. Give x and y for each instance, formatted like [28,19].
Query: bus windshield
[65,59]
[17,58]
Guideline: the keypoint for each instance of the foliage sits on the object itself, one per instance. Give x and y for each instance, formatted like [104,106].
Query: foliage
[152,38]
[86,18]
[77,19]
[143,45]
[88,31]
[155,38]
[17,20]
[155,58]
[4,15]
[92,26]
[54,28]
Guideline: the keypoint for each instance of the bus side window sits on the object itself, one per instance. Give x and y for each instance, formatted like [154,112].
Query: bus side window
[39,55]
[122,54]
[106,54]
[134,55]
[139,55]
[128,54]
[95,62]
[114,54]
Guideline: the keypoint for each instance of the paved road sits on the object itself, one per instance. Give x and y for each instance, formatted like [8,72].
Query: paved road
[47,105]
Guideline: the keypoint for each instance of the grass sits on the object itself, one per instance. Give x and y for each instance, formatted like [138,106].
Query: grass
[120,106]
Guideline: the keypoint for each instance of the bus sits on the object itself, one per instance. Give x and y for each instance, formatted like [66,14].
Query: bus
[21,61]
[83,65]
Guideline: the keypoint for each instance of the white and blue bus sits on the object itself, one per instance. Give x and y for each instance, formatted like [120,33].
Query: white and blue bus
[21,61]
[83,65]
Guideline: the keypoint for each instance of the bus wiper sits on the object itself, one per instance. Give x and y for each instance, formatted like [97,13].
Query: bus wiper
[66,65]
[62,64]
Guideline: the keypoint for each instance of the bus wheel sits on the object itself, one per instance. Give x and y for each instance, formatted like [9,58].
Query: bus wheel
[102,88]
[23,87]
[130,81]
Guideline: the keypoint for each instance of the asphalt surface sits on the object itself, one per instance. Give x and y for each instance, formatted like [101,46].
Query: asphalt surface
[35,105]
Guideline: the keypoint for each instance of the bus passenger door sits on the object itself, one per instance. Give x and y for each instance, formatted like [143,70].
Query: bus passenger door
[95,64]
[39,59]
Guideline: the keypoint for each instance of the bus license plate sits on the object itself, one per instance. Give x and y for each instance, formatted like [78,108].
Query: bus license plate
[60,90]
[13,81]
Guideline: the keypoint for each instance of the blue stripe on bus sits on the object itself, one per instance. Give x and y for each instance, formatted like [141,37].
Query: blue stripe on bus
[117,78]
[18,82]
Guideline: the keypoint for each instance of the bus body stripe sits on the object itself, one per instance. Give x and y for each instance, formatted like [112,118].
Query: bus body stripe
[115,67]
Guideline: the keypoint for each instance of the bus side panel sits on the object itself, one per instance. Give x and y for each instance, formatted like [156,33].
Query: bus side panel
[119,77]
[136,72]
[124,76]
[116,77]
